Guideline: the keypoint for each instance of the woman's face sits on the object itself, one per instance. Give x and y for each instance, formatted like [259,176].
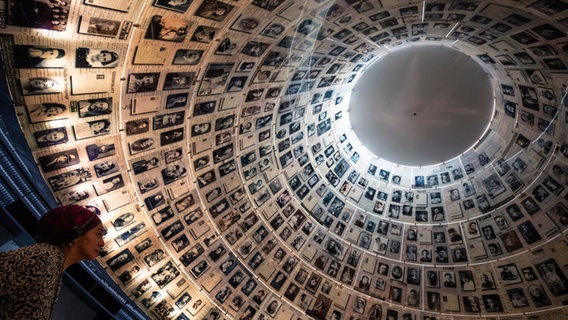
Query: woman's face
[97,126]
[103,57]
[41,84]
[90,243]
[49,53]
[52,111]
[99,106]
[146,81]
[55,136]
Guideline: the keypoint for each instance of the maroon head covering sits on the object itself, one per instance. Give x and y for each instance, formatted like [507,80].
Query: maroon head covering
[64,224]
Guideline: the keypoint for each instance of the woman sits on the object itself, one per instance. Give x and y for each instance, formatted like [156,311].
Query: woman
[30,277]
[46,111]
[96,58]
[40,85]
[38,57]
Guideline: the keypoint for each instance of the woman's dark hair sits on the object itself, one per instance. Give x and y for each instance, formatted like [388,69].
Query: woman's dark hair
[113,55]
[51,105]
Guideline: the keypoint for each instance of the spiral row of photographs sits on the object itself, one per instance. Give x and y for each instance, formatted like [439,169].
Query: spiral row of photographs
[214,137]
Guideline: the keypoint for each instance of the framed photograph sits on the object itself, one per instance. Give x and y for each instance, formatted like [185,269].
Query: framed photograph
[58,160]
[509,274]
[215,78]
[174,5]
[27,56]
[168,120]
[227,47]
[246,23]
[214,10]
[99,26]
[38,14]
[118,5]
[171,136]
[89,129]
[47,111]
[553,276]
[141,145]
[173,172]
[51,137]
[109,184]
[178,80]
[177,100]
[142,82]
[69,179]
[187,57]
[92,107]
[96,58]
[42,85]
[106,168]
[100,151]
[167,29]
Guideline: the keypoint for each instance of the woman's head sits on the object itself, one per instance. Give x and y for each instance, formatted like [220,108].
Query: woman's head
[106,57]
[65,224]
[38,84]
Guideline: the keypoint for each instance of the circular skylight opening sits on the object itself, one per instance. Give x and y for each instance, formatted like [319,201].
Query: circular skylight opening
[421,105]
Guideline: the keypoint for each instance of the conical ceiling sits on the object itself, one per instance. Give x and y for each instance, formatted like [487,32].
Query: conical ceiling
[216,138]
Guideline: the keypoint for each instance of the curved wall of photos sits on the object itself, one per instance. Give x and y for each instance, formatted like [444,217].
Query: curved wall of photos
[213,137]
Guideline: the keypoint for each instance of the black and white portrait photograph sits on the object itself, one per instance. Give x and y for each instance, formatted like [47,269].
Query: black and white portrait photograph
[58,160]
[214,10]
[92,107]
[47,111]
[69,179]
[96,58]
[50,15]
[174,5]
[168,120]
[28,56]
[177,100]
[99,26]
[215,79]
[187,57]
[142,82]
[51,137]
[141,145]
[167,28]
[42,85]
[178,80]
[93,128]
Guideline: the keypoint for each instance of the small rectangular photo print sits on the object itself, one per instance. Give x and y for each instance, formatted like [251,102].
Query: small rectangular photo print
[142,82]
[26,56]
[215,78]
[214,10]
[37,14]
[177,100]
[204,34]
[47,111]
[58,160]
[167,29]
[69,179]
[92,107]
[99,26]
[96,58]
[90,129]
[42,85]
[174,5]
[187,57]
[178,80]
[51,137]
